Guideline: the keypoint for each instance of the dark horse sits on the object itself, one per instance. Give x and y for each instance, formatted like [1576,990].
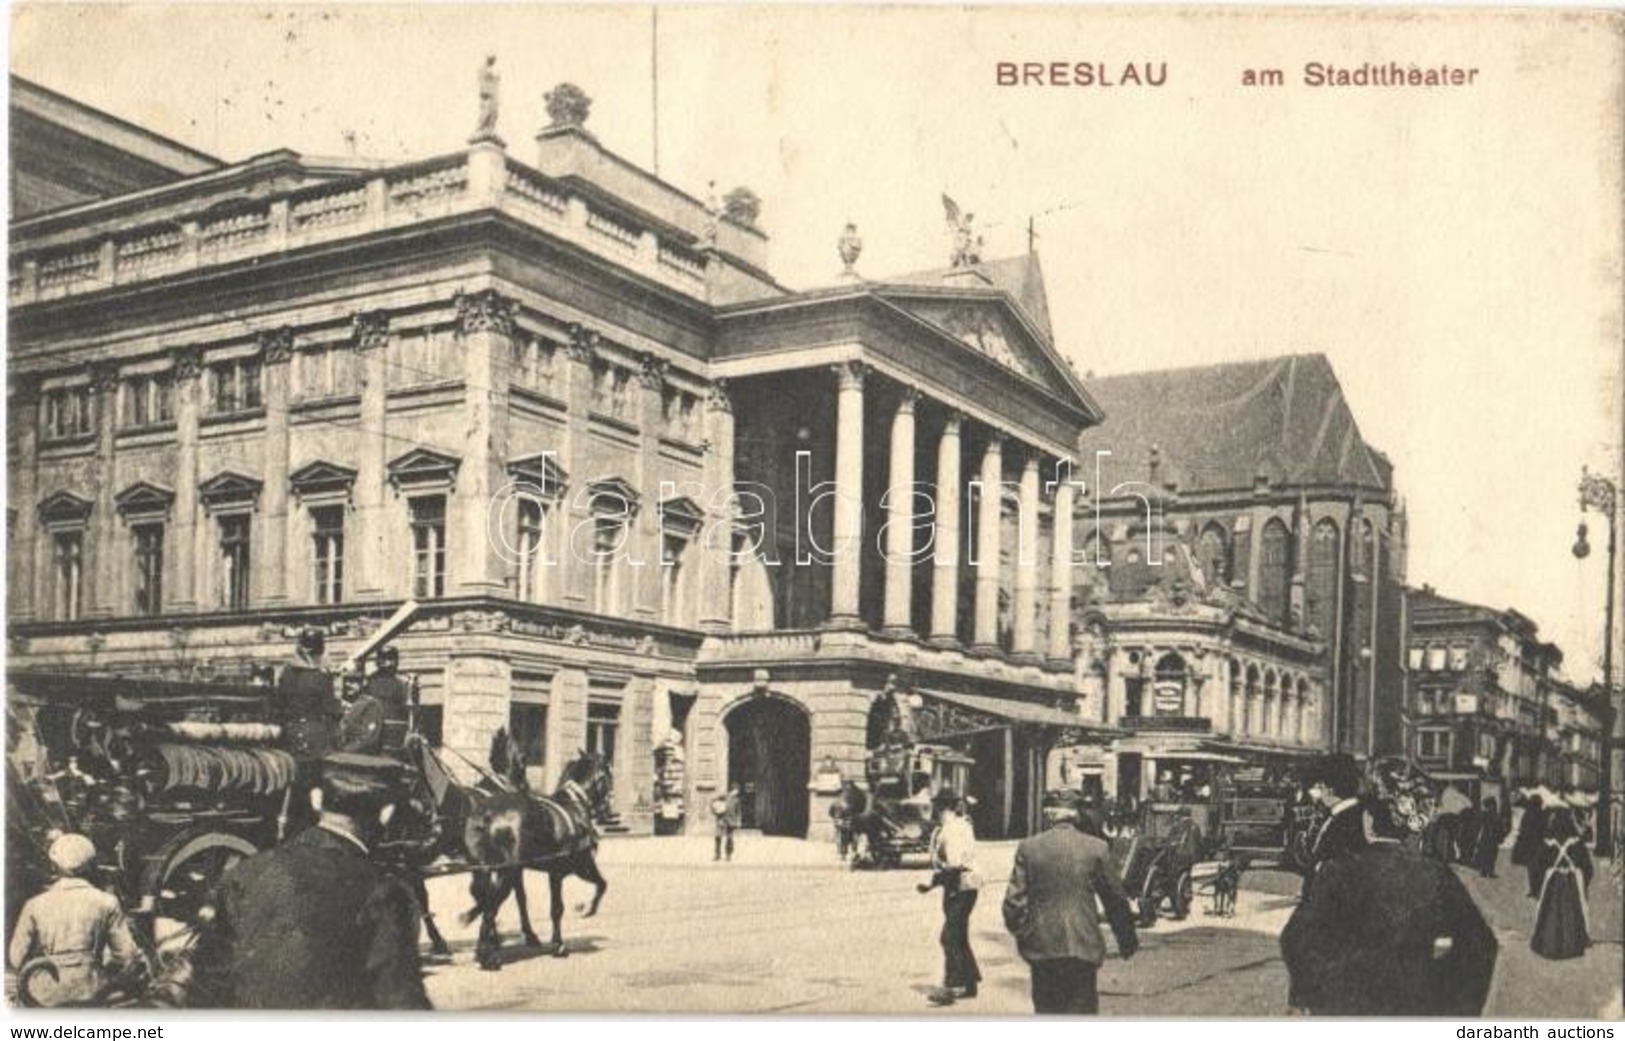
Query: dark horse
[500,828]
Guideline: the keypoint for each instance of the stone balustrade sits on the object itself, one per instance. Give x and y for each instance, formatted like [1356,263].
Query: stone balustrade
[350,207]
[803,645]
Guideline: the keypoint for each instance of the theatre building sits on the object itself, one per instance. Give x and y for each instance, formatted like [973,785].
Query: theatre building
[1248,549]
[650,501]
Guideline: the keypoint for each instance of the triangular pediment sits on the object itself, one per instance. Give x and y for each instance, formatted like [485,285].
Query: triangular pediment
[144,498]
[542,473]
[681,514]
[229,487]
[321,476]
[986,327]
[985,322]
[423,466]
[613,495]
[64,508]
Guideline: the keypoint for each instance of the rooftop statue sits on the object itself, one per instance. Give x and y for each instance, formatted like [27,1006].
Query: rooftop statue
[967,251]
[490,85]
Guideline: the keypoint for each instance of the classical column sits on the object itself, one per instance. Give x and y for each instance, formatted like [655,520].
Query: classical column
[1023,640]
[370,337]
[580,354]
[945,547]
[184,547]
[1060,605]
[900,519]
[715,550]
[103,599]
[485,327]
[987,544]
[645,546]
[22,410]
[844,582]
[272,558]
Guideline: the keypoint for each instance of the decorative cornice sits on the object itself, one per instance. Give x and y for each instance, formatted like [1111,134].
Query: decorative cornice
[583,345]
[104,377]
[369,330]
[188,363]
[23,390]
[485,311]
[652,371]
[276,346]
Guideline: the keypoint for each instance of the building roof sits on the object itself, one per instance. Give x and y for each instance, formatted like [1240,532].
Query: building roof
[1219,427]
[65,152]
[1020,276]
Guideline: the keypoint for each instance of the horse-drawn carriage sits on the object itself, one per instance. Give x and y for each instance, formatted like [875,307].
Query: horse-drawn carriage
[177,781]
[1181,845]
[889,817]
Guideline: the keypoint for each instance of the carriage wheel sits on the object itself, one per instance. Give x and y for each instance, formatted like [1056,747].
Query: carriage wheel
[192,871]
[1183,892]
[1150,896]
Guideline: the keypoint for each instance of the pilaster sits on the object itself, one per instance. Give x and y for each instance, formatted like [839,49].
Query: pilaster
[485,327]
[370,339]
[103,597]
[270,560]
[187,578]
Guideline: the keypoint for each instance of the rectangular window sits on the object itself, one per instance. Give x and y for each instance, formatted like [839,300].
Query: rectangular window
[528,726]
[429,546]
[69,553]
[431,723]
[1458,658]
[68,413]
[529,584]
[603,726]
[1436,658]
[235,385]
[234,561]
[327,553]
[672,609]
[1417,654]
[606,546]
[149,568]
[1433,744]
[148,400]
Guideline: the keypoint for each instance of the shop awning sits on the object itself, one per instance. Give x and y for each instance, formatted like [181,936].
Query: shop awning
[1199,757]
[1003,712]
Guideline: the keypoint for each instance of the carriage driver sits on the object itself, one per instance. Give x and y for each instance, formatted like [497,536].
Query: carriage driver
[385,697]
[305,688]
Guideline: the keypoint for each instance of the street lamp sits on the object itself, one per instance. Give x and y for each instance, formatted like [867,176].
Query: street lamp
[1598,493]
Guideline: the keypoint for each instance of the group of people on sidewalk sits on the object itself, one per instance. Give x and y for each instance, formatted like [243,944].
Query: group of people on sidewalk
[1381,929]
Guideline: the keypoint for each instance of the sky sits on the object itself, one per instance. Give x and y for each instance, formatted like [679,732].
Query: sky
[1456,252]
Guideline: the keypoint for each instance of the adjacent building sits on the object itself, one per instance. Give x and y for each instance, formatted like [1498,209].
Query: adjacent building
[652,503]
[1486,706]
[1249,558]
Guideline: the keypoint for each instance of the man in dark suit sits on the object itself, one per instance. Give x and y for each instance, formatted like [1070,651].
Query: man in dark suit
[1050,909]
[315,923]
[1334,784]
[1387,931]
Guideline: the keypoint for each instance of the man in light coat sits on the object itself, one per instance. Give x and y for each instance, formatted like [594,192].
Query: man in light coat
[81,930]
[1050,908]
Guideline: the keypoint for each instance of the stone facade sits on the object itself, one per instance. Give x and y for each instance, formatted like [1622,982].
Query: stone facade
[645,497]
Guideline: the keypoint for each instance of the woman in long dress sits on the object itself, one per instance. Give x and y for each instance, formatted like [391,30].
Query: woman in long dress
[1561,927]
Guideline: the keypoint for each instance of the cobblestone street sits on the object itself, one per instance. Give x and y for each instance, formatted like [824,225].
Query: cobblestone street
[785,929]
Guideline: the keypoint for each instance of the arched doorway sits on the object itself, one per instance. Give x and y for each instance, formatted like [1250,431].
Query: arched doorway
[769,755]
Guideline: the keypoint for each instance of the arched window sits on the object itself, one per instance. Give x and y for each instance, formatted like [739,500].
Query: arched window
[1321,581]
[1169,685]
[1213,554]
[1274,569]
